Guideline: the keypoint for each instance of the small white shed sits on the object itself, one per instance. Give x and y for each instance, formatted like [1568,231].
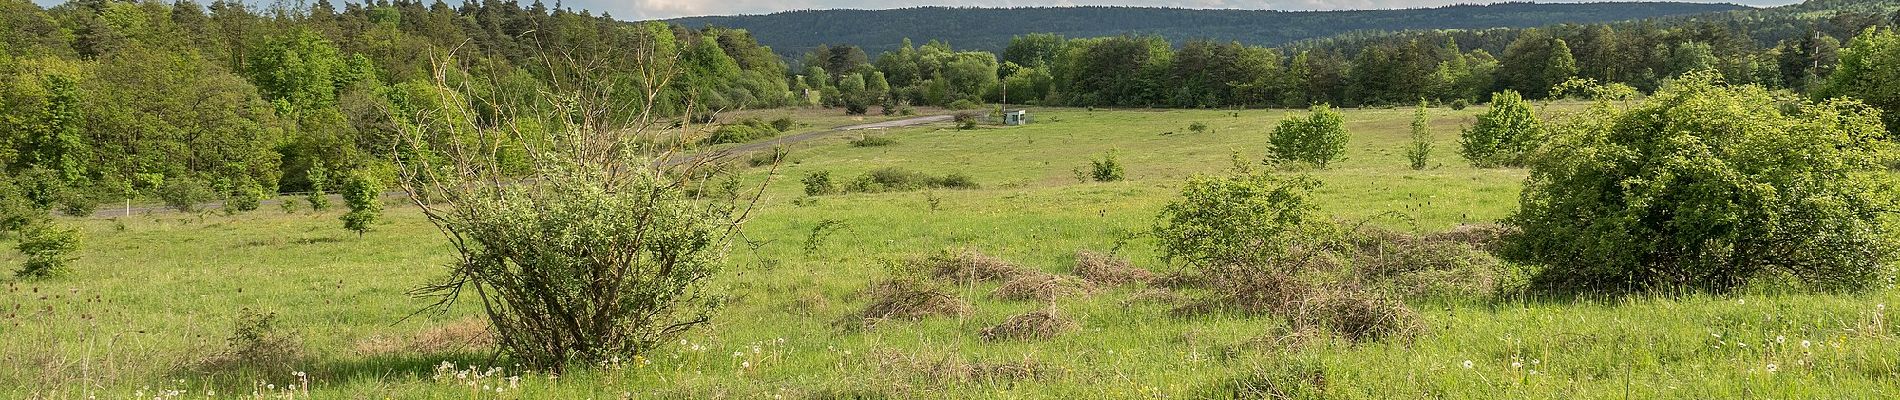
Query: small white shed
[1016,117]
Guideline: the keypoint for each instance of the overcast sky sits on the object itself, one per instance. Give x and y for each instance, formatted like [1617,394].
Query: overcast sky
[658,9]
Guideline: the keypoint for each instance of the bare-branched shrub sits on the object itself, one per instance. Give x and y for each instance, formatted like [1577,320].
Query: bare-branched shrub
[583,246]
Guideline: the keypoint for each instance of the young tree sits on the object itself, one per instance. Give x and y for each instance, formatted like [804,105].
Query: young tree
[363,192]
[1709,186]
[48,249]
[1536,62]
[319,182]
[1319,137]
[1504,136]
[1420,153]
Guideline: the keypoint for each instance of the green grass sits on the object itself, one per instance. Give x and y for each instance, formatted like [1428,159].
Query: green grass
[152,296]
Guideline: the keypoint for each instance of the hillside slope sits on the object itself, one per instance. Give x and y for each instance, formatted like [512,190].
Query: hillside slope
[990,28]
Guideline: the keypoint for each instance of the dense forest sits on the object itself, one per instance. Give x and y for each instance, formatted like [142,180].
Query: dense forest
[104,100]
[110,100]
[989,29]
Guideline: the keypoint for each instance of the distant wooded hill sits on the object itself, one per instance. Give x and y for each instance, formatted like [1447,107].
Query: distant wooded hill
[792,33]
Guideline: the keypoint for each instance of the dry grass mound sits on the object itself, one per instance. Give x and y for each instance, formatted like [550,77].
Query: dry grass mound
[1445,265]
[1041,324]
[951,369]
[971,266]
[1479,236]
[907,299]
[468,335]
[1107,270]
[1039,286]
[1361,317]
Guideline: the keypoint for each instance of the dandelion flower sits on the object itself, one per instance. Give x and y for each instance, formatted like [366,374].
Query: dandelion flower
[1780,339]
[738,354]
[1805,344]
[1516,365]
[1467,364]
[746,365]
[1772,368]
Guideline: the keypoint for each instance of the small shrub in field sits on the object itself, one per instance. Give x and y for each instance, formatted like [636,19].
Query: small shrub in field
[319,177]
[363,192]
[256,343]
[818,183]
[783,124]
[1503,136]
[964,104]
[1317,138]
[1244,218]
[246,195]
[1459,104]
[1709,186]
[48,249]
[894,179]
[1197,127]
[965,120]
[78,201]
[873,141]
[1106,169]
[778,154]
[1420,152]
[185,193]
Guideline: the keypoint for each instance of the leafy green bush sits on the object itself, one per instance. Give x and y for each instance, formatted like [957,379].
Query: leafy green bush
[819,183]
[1106,169]
[1504,136]
[245,195]
[1459,104]
[747,130]
[1247,218]
[319,182]
[1420,152]
[783,124]
[1867,72]
[185,193]
[1197,127]
[965,120]
[964,104]
[363,192]
[1318,138]
[1709,186]
[894,179]
[48,249]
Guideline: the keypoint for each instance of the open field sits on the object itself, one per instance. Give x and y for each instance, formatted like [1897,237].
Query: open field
[152,298]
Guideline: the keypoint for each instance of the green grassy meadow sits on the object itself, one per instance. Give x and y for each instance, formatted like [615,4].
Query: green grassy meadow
[154,296]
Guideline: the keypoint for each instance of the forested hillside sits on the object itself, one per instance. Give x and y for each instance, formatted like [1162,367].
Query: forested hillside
[102,100]
[989,29]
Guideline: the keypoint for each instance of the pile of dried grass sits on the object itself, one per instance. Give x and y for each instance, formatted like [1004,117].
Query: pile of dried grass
[1034,325]
[970,266]
[1107,270]
[950,369]
[1040,286]
[907,299]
